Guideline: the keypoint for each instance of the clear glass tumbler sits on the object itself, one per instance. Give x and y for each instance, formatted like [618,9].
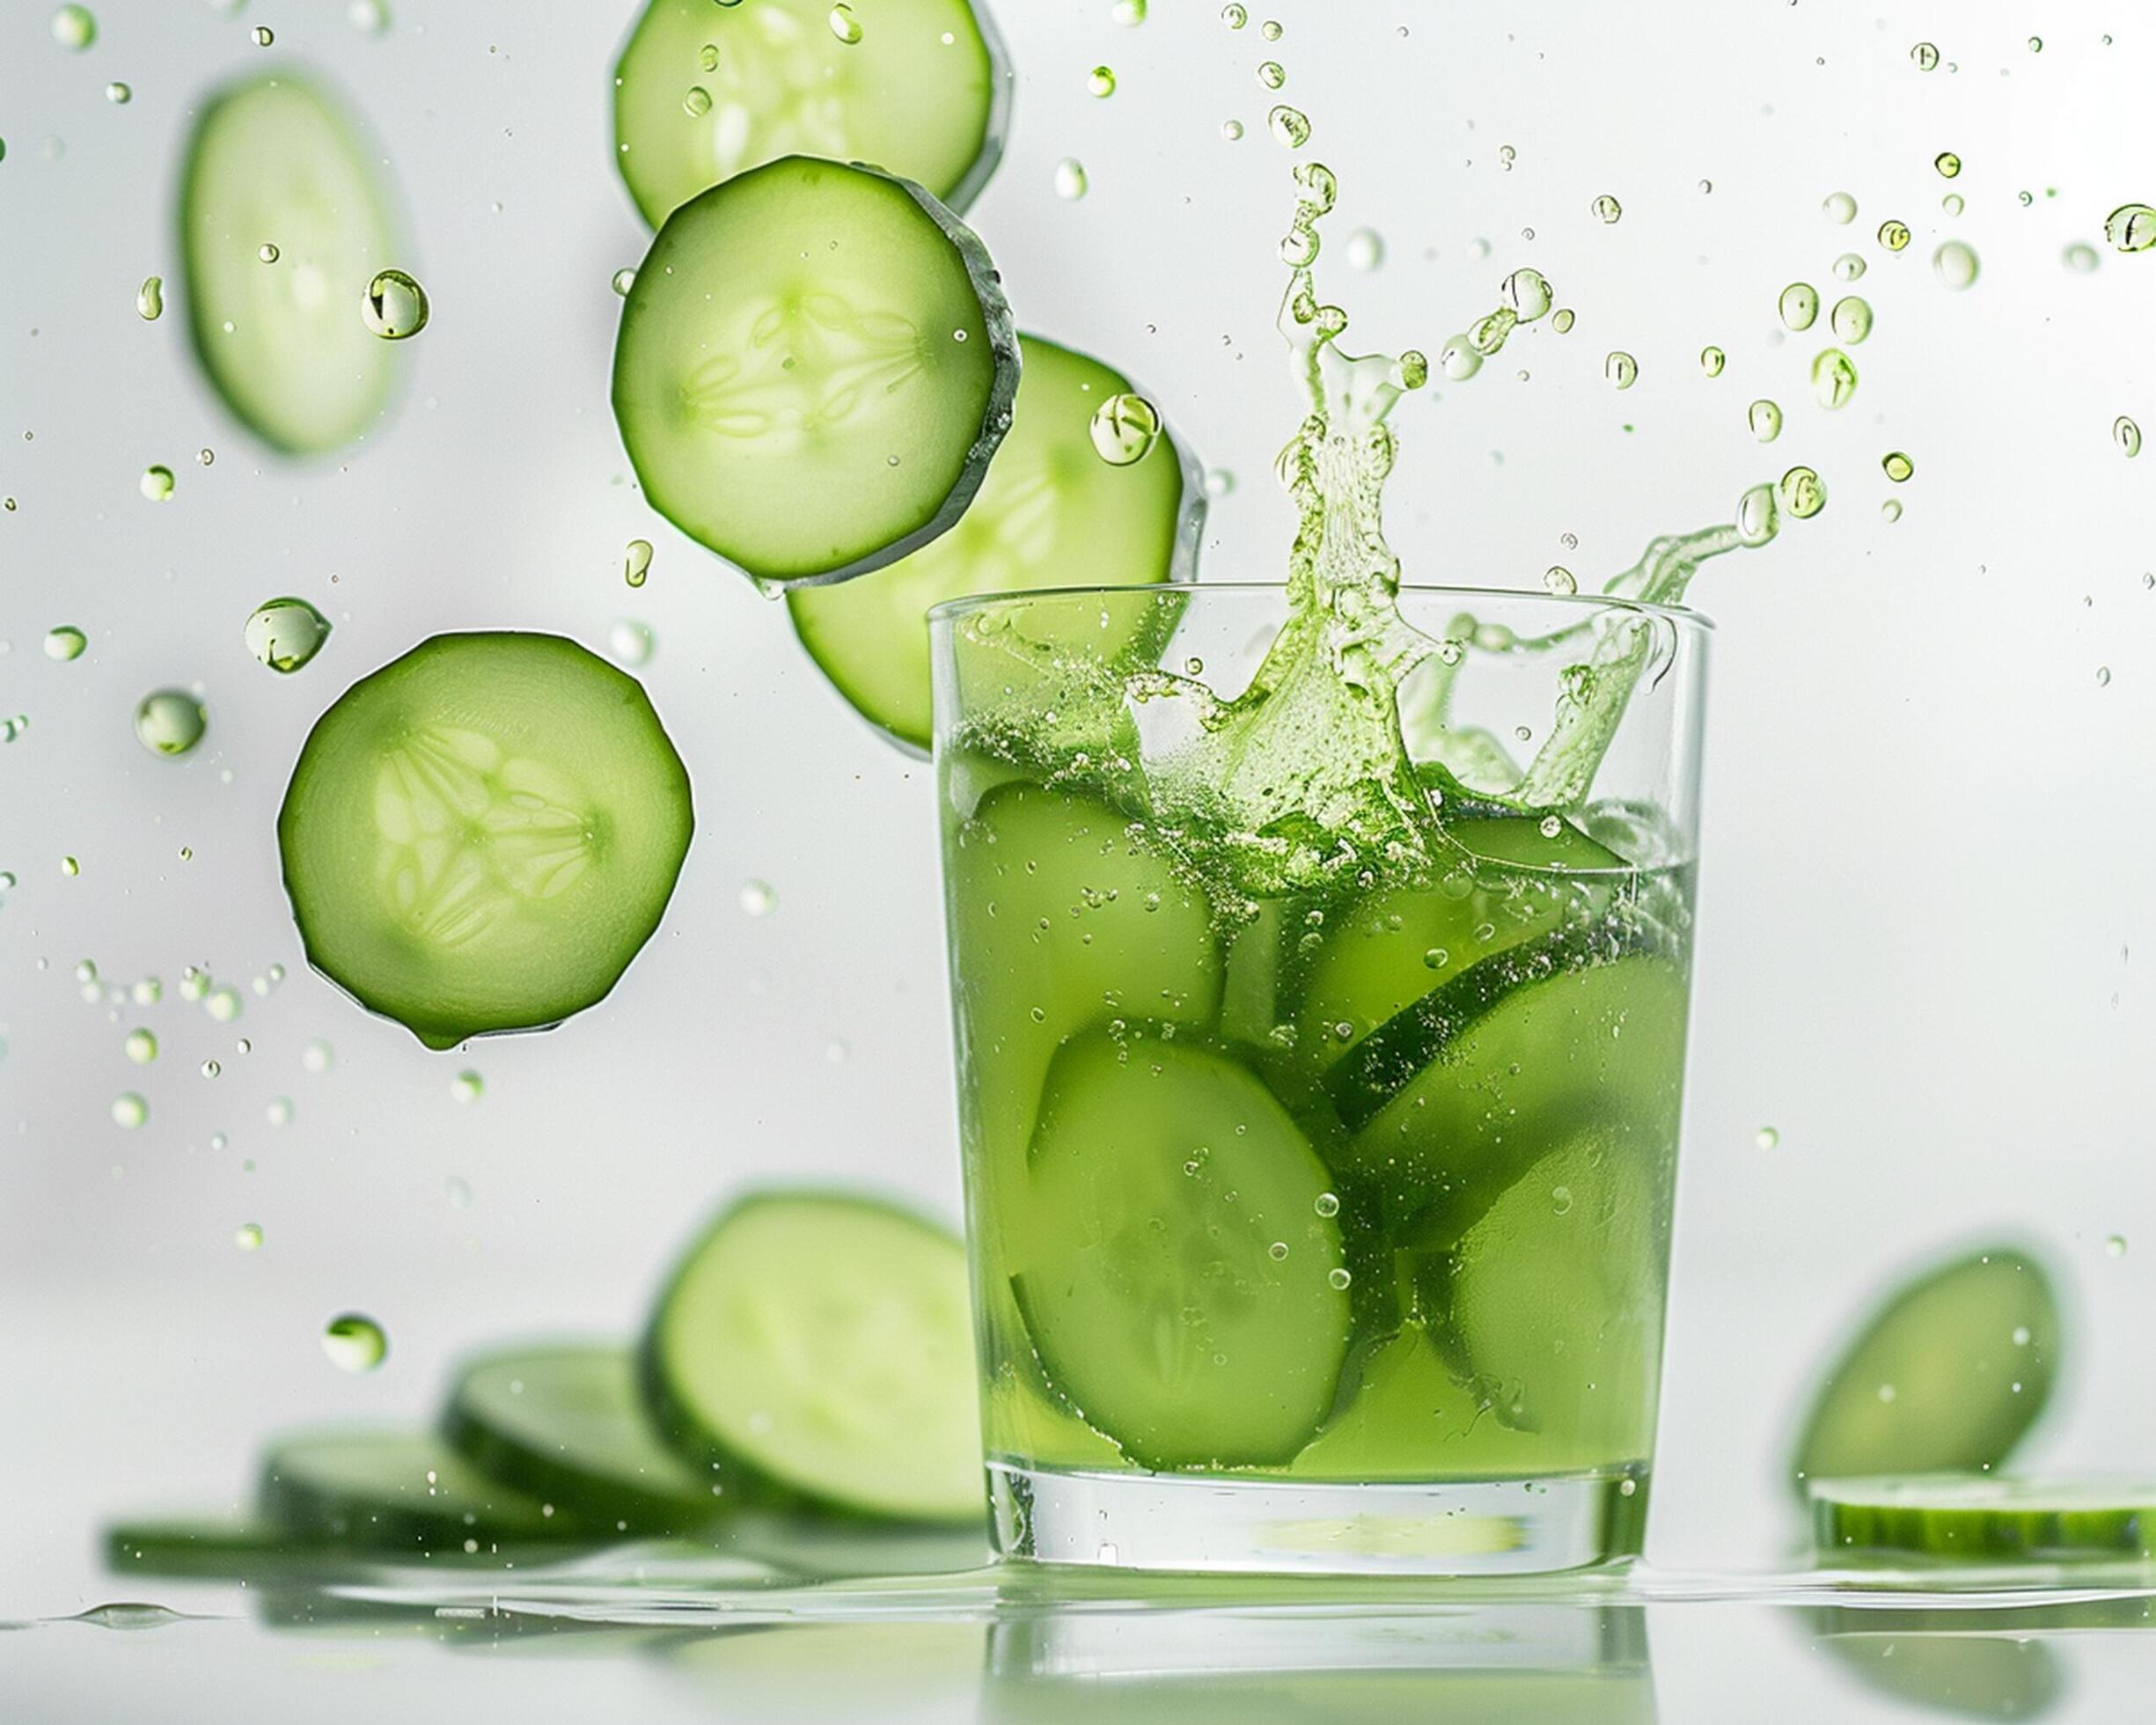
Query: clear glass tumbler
[1320,1094]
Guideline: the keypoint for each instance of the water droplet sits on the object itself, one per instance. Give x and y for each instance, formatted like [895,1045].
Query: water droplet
[264,36]
[1559,579]
[267,252]
[1607,209]
[696,102]
[370,17]
[129,1111]
[630,642]
[1269,30]
[70,867]
[1848,268]
[636,562]
[1926,55]
[1366,250]
[466,1086]
[206,457]
[1130,13]
[1803,492]
[1799,305]
[353,1342]
[118,94]
[1070,178]
[285,634]
[1235,17]
[1841,209]
[65,642]
[278,1110]
[2080,258]
[1850,319]
[1124,428]
[148,992]
[1101,82]
[248,1237]
[395,307]
[1219,482]
[150,299]
[1765,419]
[1712,360]
[1956,265]
[157,484]
[1768,1137]
[1622,369]
[1272,74]
[2114,1246]
[1948,162]
[1898,467]
[318,1056]
[75,27]
[1290,126]
[1562,321]
[1833,378]
[2131,227]
[708,57]
[757,899]
[170,722]
[843,25]
[2103,676]
[2127,436]
[1894,235]
[459,1191]
[1527,294]
[141,1047]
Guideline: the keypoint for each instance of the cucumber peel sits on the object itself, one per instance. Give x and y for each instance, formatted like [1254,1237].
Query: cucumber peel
[1985,1519]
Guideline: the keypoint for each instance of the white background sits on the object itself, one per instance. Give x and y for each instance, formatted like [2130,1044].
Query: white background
[1925,921]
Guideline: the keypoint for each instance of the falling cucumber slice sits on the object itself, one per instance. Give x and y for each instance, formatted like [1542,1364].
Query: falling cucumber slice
[276,160]
[705,92]
[1949,1374]
[1985,1519]
[481,835]
[569,1424]
[1050,513]
[814,364]
[401,1492]
[1175,1262]
[818,1348]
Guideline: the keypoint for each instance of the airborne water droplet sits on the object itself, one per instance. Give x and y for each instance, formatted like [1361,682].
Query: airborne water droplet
[1848,268]
[1070,179]
[150,299]
[1759,516]
[1101,82]
[1768,1137]
[1841,209]
[1607,210]
[65,642]
[1948,162]
[157,484]
[1927,57]
[1235,17]
[1527,295]
[264,36]
[2131,227]
[1898,467]
[75,28]
[353,1342]
[1290,126]
[1833,378]
[468,1087]
[636,562]
[1124,428]
[1272,75]
[395,306]
[1559,579]
[843,25]
[170,722]
[285,634]
[1622,369]
[1799,305]
[1894,235]
[1129,13]
[757,899]
[1712,360]
[1850,319]
[1366,250]
[1955,265]
[630,642]
[129,1111]
[2114,1246]
[2080,258]
[141,1046]
[1765,419]
[1802,493]
[2127,436]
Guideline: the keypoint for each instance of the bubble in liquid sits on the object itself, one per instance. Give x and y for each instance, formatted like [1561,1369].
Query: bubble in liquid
[1712,360]
[1799,305]
[843,25]
[1948,162]
[395,306]
[1622,369]
[1759,516]
[2080,258]
[1850,319]
[157,484]
[65,642]
[141,1046]
[1101,82]
[285,634]
[1765,419]
[1527,295]
[1841,209]
[1070,179]
[75,28]
[1956,265]
[1124,428]
[757,899]
[1803,492]
[2131,227]
[1894,235]
[466,1086]
[353,1342]
[1607,210]
[2127,436]
[1833,378]
[1927,57]
[170,722]
[696,102]
[1277,1252]
[1898,465]
[150,299]
[636,562]
[1848,268]
[1559,579]
[1366,249]
[129,1111]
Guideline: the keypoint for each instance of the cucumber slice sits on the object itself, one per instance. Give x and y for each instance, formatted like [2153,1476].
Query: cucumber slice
[1979,1664]
[1411,1417]
[1050,513]
[704,93]
[569,1424]
[1950,1373]
[815,365]
[1985,1519]
[207,1545]
[275,160]
[1176,1270]
[483,834]
[822,1344]
[407,1491]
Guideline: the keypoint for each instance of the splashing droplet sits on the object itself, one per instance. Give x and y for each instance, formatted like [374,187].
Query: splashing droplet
[353,1342]
[1290,126]
[1366,249]
[1712,360]
[630,642]
[1833,378]
[1803,492]
[2081,257]
[1070,179]
[2127,436]
[1759,516]
[1235,17]
[757,899]
[468,1087]
[395,307]
[1129,13]
[1848,268]
[1799,305]
[1894,235]
[75,28]
[129,1111]
[1948,164]
[1101,83]
[141,1046]
[1850,319]
[1956,266]
[1768,1137]
[1123,428]
[157,484]
[285,634]
[1841,209]
[150,299]
[1765,419]
[843,25]
[2131,227]
[2114,1246]
[1622,369]
[65,642]
[248,1237]
[264,36]
[170,722]
[1927,57]
[1608,210]
[1897,466]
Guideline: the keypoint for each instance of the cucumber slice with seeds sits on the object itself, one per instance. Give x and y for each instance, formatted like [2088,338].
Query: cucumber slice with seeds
[1985,1519]
[275,160]
[482,834]
[1050,513]
[705,92]
[822,1346]
[569,1424]
[814,364]
[395,1492]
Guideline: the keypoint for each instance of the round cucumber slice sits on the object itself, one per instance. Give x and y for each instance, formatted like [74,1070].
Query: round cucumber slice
[275,160]
[1950,1373]
[218,1545]
[814,364]
[1176,1270]
[1985,1519]
[397,1491]
[569,1424]
[1050,513]
[705,92]
[822,1345]
[483,834]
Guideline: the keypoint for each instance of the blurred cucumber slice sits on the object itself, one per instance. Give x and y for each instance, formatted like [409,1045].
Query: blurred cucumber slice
[1985,1519]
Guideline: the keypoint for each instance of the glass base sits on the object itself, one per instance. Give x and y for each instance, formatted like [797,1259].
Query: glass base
[1235,1522]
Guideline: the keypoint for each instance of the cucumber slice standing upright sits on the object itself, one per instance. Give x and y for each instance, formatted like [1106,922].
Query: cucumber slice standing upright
[1985,1519]
[1050,513]
[483,834]
[276,161]
[814,364]
[703,93]
[817,1348]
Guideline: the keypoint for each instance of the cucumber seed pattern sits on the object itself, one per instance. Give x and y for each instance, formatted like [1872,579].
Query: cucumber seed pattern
[808,365]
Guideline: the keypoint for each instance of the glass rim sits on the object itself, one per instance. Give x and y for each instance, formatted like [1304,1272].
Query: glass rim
[1678,616]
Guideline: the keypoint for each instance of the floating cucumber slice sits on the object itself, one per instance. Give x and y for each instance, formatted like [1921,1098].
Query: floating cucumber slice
[1177,1266]
[276,159]
[393,1491]
[822,1344]
[1050,513]
[483,834]
[1411,1417]
[704,93]
[815,365]
[568,1423]
[1950,1373]
[1985,1519]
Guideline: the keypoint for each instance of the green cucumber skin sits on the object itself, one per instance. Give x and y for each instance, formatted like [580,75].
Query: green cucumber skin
[748,1484]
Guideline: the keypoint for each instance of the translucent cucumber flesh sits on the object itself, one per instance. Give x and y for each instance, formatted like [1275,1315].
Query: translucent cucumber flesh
[1950,1372]
[276,159]
[481,835]
[395,1491]
[920,94]
[1176,1269]
[813,370]
[1050,513]
[820,1346]
[1985,1517]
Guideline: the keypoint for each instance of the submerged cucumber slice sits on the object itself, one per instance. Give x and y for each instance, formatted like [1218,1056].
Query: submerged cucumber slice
[1176,1266]
[396,1490]
[815,365]
[1985,1519]
[569,1424]
[1050,513]
[483,834]
[704,93]
[823,1345]
[276,159]
[1951,1372]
